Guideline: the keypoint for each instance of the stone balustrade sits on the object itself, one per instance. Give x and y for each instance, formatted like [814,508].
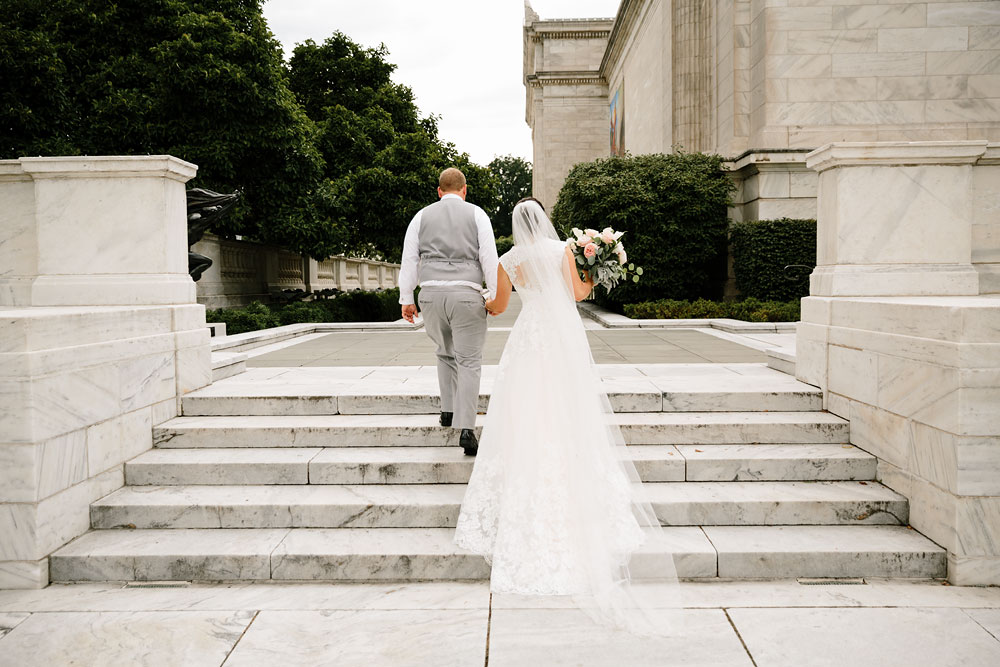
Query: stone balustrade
[243,271]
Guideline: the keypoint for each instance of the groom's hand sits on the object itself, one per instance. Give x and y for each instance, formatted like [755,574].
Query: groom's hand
[409,312]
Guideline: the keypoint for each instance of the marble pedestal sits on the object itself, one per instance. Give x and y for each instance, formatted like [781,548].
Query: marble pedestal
[99,336]
[902,329]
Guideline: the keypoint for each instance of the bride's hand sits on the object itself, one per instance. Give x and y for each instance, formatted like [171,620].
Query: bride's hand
[491,309]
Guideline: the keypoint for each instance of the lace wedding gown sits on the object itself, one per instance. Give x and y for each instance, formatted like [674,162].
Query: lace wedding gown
[554,502]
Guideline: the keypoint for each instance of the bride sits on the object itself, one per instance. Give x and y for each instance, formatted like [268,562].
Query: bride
[554,502]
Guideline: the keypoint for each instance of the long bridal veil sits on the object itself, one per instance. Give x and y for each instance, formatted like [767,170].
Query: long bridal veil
[555,501]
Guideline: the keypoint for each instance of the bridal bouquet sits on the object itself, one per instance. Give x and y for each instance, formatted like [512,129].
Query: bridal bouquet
[603,255]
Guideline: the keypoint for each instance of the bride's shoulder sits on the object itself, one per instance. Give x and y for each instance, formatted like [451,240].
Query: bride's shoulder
[509,257]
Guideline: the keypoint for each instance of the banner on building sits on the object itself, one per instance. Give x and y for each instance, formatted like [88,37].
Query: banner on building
[618,121]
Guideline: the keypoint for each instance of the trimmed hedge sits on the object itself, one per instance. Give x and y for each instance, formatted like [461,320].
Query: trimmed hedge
[672,208]
[761,250]
[504,243]
[357,306]
[748,310]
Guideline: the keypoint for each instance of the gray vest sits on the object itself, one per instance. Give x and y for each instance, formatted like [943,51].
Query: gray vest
[449,242]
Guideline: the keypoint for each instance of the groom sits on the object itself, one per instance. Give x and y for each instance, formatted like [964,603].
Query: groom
[449,250]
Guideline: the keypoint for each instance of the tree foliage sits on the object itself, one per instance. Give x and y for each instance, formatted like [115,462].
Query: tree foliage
[200,80]
[673,211]
[382,159]
[330,154]
[514,183]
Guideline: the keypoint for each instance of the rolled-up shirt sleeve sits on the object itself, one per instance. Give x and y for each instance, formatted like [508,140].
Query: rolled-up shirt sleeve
[409,268]
[487,251]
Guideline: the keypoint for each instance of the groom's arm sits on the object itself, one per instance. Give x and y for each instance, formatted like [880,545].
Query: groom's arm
[410,263]
[487,251]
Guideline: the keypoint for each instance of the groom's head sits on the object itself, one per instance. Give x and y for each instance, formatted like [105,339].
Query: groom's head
[452,182]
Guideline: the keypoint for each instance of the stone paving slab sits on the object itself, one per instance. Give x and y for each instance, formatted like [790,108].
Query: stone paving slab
[407,348]
[382,638]
[863,637]
[189,638]
[559,637]
[725,624]
[414,390]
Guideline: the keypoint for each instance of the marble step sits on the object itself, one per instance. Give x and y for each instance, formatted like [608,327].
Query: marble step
[437,505]
[449,465]
[741,393]
[646,428]
[358,554]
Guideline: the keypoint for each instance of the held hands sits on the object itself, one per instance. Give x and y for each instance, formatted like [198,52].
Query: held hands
[491,307]
[409,312]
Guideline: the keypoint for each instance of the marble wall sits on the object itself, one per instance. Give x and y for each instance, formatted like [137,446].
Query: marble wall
[744,78]
[902,330]
[844,70]
[567,99]
[99,335]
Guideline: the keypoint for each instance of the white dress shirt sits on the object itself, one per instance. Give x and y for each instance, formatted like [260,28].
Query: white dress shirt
[408,271]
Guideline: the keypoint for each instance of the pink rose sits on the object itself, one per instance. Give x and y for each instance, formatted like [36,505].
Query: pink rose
[622,257]
[584,242]
[589,250]
[590,232]
[608,235]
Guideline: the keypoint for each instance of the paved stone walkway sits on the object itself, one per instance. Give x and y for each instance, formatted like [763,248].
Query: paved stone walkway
[414,348]
[726,624]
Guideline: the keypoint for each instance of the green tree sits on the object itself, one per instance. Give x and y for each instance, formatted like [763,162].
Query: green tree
[382,159]
[202,80]
[513,176]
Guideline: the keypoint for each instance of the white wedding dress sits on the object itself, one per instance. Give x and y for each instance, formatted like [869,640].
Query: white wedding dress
[554,502]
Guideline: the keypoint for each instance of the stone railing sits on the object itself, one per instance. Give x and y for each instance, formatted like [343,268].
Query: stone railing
[243,271]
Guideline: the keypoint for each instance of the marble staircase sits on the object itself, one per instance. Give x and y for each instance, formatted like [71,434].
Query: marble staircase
[751,479]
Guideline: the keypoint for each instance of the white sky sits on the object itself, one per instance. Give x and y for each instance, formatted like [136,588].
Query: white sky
[462,59]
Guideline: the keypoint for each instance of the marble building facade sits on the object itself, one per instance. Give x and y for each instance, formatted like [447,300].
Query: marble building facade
[761,82]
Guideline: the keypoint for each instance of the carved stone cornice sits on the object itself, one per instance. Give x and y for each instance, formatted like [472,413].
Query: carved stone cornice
[539,36]
[624,20]
[542,79]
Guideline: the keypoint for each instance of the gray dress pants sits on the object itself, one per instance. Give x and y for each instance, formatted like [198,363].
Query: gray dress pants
[455,319]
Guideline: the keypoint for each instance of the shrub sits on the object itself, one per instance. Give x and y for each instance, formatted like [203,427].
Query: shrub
[673,210]
[251,317]
[504,243]
[761,250]
[357,306]
[749,310]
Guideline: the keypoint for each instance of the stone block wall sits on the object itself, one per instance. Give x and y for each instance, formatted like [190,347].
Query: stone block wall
[638,61]
[758,76]
[844,70]
[902,330]
[567,99]
[99,336]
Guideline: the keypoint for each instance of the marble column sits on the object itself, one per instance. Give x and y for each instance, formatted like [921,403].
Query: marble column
[902,329]
[100,336]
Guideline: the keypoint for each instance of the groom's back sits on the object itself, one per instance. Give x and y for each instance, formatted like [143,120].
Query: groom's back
[448,242]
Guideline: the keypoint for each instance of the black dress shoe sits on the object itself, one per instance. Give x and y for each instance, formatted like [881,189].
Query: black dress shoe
[446,418]
[469,442]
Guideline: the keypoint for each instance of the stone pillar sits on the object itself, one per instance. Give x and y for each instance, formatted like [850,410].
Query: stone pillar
[310,269]
[902,329]
[101,335]
[692,75]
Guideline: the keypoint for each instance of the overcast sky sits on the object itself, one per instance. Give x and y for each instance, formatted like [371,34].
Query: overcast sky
[462,59]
